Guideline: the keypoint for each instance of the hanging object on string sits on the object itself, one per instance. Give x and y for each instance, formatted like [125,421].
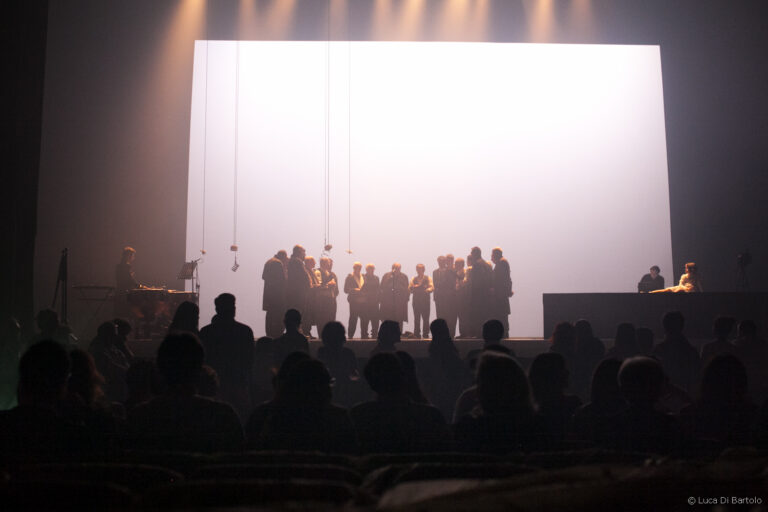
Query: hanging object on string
[236,265]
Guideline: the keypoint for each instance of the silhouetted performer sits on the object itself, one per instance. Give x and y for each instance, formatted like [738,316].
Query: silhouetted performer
[353,287]
[463,299]
[125,280]
[504,422]
[437,283]
[421,289]
[309,313]
[481,291]
[180,419]
[393,422]
[292,340]
[327,291]
[229,348]
[298,282]
[681,362]
[394,296]
[450,297]
[275,276]
[370,312]
[301,416]
[651,281]
[690,281]
[502,288]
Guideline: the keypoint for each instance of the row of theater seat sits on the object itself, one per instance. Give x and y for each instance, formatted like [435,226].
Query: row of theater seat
[442,480]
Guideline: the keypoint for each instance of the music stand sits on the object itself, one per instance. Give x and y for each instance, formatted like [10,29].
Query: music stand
[189,272]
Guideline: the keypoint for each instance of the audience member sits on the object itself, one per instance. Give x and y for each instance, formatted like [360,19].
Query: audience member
[753,352]
[594,420]
[208,385]
[85,402]
[504,421]
[35,430]
[301,416]
[548,376]
[186,318]
[625,343]
[393,422]
[721,328]
[563,342]
[229,348]
[340,362]
[589,351]
[292,340]
[468,398]
[645,340]
[264,370]
[143,382]
[445,374]
[180,419]
[679,359]
[110,360]
[723,411]
[411,379]
[387,338]
[50,329]
[641,428]
[10,352]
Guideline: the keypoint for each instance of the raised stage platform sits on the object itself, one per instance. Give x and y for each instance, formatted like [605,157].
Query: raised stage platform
[606,310]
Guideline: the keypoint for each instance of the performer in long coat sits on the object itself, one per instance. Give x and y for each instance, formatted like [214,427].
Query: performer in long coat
[502,288]
[327,291]
[480,291]
[299,281]
[394,296]
[370,314]
[275,276]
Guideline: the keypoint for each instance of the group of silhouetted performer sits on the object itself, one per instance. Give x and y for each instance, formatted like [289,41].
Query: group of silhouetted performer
[466,293]
[217,389]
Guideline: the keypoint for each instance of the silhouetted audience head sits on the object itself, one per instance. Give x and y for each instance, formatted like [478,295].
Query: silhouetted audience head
[605,382]
[548,376]
[625,343]
[187,317]
[225,305]
[641,380]
[143,381]
[292,319]
[389,333]
[289,363]
[411,379]
[723,326]
[439,330]
[747,329]
[501,384]
[334,335]
[673,323]
[208,384]
[85,381]
[180,360]
[107,333]
[385,375]
[563,339]
[307,384]
[43,373]
[47,321]
[645,340]
[724,381]
[123,327]
[583,329]
[493,331]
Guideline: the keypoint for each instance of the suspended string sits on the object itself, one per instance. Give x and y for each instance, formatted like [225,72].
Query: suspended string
[237,153]
[349,141]
[205,129]
[327,163]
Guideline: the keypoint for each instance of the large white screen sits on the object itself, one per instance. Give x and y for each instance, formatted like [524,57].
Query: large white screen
[556,153]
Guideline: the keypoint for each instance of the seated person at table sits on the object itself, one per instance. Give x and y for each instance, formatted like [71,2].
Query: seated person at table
[651,281]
